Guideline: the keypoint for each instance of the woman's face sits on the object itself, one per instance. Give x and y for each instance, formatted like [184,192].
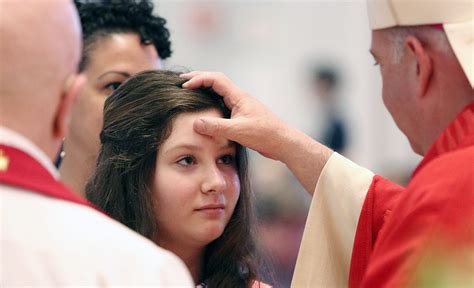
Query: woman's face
[195,186]
[112,60]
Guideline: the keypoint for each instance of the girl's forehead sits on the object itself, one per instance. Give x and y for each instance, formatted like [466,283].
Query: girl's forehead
[183,133]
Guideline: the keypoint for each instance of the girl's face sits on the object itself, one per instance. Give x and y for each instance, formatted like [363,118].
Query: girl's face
[195,186]
[112,60]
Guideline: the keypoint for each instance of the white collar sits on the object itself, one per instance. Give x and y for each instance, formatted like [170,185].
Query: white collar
[14,139]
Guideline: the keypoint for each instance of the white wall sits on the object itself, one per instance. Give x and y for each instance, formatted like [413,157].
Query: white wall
[266,47]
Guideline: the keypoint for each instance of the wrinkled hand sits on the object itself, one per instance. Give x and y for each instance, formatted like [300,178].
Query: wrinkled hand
[252,124]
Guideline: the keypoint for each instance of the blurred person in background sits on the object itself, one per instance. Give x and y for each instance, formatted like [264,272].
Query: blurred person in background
[282,207]
[120,39]
[363,230]
[326,82]
[50,237]
[187,192]
[280,216]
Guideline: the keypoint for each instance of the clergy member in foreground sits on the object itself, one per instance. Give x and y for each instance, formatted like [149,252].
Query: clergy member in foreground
[49,236]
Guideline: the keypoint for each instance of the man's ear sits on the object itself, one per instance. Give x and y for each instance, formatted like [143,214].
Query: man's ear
[72,88]
[424,63]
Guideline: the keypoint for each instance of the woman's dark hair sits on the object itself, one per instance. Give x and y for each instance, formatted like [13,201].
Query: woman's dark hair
[138,117]
[100,18]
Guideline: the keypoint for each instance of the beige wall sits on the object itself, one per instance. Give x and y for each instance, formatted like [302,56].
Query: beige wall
[267,47]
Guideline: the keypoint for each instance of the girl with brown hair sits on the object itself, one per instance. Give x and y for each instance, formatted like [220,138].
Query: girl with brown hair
[187,192]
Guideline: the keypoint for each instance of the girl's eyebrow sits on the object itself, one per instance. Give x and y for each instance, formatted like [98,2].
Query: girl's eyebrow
[193,147]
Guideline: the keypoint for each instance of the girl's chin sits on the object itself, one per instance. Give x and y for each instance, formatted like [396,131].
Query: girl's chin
[211,234]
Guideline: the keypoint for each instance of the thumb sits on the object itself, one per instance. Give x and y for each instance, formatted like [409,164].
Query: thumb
[212,126]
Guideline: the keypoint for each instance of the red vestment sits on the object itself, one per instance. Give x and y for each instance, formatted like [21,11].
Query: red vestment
[397,226]
[25,172]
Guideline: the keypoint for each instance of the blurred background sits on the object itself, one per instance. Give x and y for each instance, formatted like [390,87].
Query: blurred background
[308,61]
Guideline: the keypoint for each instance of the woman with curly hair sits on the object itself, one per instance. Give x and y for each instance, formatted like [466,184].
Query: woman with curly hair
[187,192]
[120,39]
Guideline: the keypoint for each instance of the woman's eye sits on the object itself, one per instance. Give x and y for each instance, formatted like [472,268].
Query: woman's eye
[186,161]
[112,86]
[226,159]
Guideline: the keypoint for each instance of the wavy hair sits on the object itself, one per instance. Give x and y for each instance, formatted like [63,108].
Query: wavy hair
[137,119]
[101,18]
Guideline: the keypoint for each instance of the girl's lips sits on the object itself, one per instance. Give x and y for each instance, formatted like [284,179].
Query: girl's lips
[211,207]
[213,210]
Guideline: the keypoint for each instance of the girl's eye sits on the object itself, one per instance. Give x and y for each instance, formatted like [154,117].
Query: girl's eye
[226,159]
[186,161]
[112,86]
[376,63]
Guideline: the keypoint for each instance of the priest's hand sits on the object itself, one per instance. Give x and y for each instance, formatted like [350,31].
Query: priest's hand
[256,127]
[252,124]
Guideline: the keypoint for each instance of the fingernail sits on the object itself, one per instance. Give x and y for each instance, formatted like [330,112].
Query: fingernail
[185,85]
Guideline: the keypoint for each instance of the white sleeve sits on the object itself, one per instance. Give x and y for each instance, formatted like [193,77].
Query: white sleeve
[326,248]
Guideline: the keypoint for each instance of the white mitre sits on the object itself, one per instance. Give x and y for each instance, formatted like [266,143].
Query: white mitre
[456,16]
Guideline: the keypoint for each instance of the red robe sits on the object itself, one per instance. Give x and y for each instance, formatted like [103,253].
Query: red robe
[398,226]
[21,170]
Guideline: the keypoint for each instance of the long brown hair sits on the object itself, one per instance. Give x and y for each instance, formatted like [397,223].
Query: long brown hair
[137,119]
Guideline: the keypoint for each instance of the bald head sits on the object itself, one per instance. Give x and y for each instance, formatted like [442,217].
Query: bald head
[40,44]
